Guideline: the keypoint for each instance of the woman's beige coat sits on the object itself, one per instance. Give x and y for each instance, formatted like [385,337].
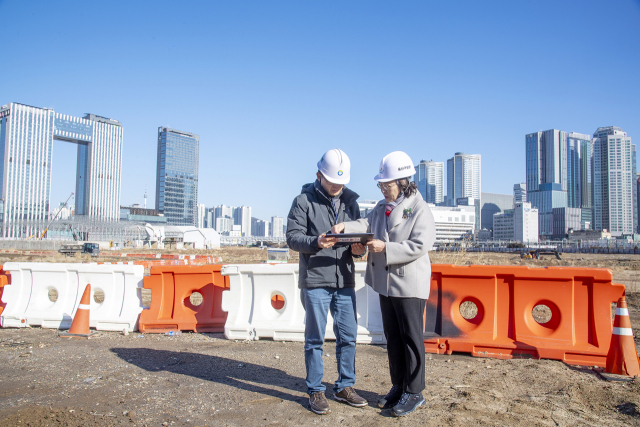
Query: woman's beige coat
[403,269]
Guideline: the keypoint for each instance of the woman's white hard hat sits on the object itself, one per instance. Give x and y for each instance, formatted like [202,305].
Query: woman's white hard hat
[335,166]
[396,165]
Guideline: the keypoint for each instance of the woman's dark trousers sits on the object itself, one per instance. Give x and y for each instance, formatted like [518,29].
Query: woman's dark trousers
[403,323]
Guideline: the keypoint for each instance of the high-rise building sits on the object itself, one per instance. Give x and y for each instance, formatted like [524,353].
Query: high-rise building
[201,215]
[429,178]
[579,158]
[242,217]
[177,176]
[463,177]
[519,192]
[208,218]
[638,201]
[26,145]
[492,203]
[277,226]
[614,181]
[634,188]
[224,224]
[222,211]
[259,228]
[546,175]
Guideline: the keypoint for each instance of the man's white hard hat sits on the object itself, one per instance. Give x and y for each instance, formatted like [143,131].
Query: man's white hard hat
[396,165]
[335,166]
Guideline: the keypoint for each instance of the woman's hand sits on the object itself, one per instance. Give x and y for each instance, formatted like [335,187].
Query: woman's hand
[338,228]
[357,249]
[376,245]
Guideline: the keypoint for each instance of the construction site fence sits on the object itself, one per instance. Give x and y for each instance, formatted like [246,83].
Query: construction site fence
[32,245]
[561,313]
[568,250]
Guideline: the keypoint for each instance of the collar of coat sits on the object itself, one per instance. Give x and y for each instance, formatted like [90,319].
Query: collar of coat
[346,197]
[396,215]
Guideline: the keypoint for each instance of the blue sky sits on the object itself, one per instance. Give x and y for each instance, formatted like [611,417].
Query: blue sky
[270,86]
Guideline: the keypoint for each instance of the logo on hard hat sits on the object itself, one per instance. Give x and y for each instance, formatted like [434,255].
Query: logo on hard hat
[340,173]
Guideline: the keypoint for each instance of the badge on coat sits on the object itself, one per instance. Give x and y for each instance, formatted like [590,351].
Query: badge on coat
[407,213]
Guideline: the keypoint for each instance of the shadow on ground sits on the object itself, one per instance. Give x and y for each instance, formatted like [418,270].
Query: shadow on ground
[245,376]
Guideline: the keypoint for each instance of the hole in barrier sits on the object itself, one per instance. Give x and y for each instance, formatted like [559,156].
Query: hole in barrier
[53,295]
[146,297]
[98,296]
[541,313]
[196,299]
[468,310]
[277,301]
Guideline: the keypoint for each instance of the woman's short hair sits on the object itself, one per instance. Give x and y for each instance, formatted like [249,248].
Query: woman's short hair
[407,187]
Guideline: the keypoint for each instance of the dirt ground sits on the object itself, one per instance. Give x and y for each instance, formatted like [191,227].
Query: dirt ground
[205,380]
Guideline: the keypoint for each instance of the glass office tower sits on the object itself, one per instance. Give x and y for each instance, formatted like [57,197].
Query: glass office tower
[463,177]
[429,178]
[579,160]
[26,146]
[177,176]
[547,180]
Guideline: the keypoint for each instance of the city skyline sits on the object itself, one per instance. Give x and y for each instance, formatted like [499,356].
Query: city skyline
[269,85]
[563,170]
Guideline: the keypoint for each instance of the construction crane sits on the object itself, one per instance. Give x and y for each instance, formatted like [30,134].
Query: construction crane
[53,219]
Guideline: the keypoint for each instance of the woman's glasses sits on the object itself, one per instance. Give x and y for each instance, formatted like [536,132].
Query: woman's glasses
[386,186]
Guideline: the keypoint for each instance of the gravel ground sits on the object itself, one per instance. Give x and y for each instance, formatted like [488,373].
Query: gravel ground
[205,380]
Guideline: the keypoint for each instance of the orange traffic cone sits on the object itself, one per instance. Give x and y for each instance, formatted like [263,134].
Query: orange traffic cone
[622,358]
[80,325]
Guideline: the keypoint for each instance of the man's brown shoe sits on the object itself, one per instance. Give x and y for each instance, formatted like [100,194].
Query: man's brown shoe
[318,403]
[349,395]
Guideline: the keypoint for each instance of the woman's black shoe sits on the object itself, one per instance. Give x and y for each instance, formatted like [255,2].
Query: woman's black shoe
[408,403]
[390,400]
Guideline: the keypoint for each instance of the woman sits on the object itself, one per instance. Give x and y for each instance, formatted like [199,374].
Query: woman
[398,268]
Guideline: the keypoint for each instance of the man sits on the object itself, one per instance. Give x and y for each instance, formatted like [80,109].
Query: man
[326,277]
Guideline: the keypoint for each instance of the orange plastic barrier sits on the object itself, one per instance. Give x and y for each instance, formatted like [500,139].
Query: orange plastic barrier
[504,327]
[171,308]
[5,279]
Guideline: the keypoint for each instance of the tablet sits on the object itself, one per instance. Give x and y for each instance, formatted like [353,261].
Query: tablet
[352,237]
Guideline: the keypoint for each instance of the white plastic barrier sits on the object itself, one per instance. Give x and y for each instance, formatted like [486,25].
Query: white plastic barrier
[251,314]
[28,301]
